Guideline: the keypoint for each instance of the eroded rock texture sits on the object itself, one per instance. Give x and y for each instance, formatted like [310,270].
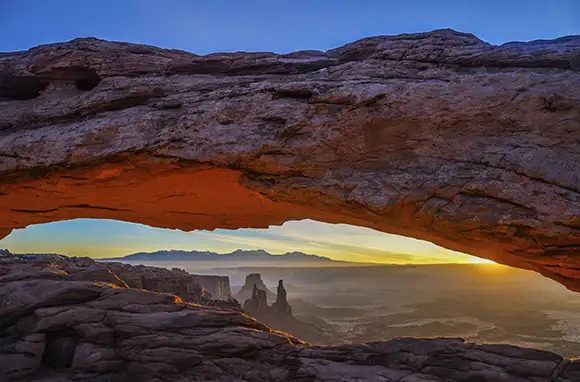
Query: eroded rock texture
[438,136]
[279,316]
[218,287]
[248,290]
[175,281]
[54,327]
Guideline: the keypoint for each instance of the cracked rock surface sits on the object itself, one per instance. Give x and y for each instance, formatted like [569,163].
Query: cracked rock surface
[55,327]
[437,136]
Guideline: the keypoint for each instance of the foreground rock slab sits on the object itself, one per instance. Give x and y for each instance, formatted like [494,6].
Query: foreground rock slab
[56,328]
[438,136]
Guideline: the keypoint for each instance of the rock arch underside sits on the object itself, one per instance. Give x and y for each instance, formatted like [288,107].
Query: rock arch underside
[437,136]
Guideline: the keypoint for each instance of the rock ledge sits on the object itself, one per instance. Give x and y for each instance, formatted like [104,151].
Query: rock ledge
[56,328]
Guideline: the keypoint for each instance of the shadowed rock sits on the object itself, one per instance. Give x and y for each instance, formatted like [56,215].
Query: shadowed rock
[281,305]
[57,329]
[248,290]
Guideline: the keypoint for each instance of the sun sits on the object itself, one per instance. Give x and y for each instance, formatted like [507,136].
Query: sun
[478,260]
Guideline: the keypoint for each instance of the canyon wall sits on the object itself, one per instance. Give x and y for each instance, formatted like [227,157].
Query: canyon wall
[217,286]
[437,136]
[175,281]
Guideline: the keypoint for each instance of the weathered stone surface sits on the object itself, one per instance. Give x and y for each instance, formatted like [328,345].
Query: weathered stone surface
[53,266]
[438,136]
[111,333]
[258,301]
[175,281]
[218,287]
[247,291]
[281,305]
[279,315]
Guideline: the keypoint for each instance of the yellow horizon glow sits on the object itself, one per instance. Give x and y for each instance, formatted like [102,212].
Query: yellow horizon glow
[109,238]
[479,260]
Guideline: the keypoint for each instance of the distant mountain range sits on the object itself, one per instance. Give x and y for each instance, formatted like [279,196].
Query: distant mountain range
[238,255]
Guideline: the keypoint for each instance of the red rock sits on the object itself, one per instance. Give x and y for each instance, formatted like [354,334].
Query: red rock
[437,136]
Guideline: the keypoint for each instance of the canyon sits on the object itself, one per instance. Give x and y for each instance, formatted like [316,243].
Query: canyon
[74,319]
[202,289]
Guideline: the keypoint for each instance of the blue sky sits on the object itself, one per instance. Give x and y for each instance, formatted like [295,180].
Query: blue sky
[109,238]
[280,26]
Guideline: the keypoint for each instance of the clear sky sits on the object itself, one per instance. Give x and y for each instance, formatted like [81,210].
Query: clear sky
[204,26]
[108,238]
[279,26]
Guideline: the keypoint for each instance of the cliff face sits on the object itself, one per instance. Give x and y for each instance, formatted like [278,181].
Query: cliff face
[55,326]
[188,286]
[438,136]
[217,286]
[175,281]
[247,290]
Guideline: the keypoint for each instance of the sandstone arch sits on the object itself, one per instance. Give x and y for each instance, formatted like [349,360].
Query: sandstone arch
[438,136]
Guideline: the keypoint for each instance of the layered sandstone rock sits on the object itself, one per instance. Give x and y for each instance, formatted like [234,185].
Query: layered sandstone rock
[217,286]
[190,287]
[258,303]
[175,281]
[75,268]
[53,328]
[281,305]
[438,136]
[279,315]
[248,290]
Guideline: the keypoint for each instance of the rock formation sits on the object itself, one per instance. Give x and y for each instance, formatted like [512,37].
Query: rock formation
[218,287]
[188,287]
[175,281]
[253,281]
[281,305]
[437,136]
[54,327]
[279,315]
[257,303]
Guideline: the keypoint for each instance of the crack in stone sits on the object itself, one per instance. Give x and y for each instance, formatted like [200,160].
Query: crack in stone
[541,180]
[87,206]
[559,370]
